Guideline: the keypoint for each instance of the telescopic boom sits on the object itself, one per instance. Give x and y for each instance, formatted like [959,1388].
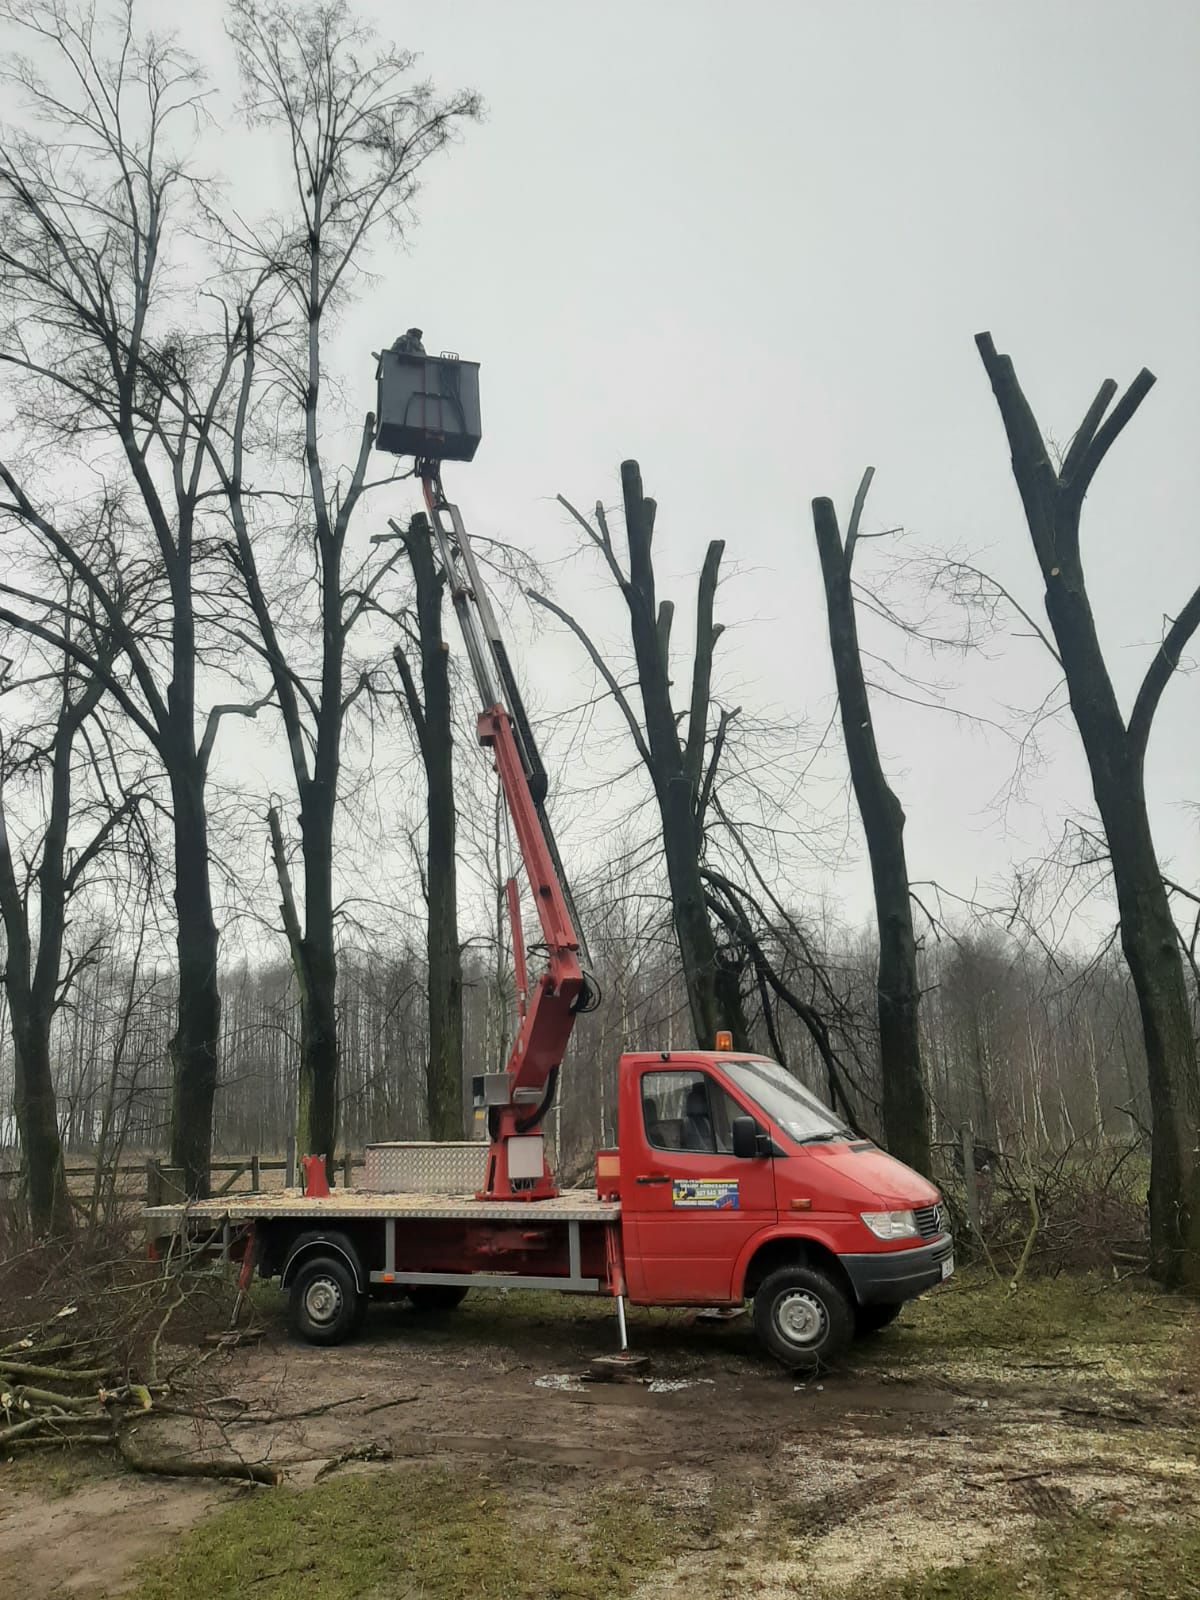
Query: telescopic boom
[428,407]
[518,1099]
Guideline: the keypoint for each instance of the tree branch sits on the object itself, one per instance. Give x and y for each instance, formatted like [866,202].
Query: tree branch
[411,695]
[714,762]
[601,539]
[706,639]
[214,721]
[1109,431]
[601,666]
[1159,673]
[287,907]
[1086,431]
[860,500]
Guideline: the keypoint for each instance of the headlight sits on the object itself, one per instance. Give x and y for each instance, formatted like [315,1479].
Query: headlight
[891,1224]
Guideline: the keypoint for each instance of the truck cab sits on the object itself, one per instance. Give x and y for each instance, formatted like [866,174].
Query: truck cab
[737,1183]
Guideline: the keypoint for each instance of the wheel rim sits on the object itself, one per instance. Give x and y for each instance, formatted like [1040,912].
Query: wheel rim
[323,1301]
[801,1317]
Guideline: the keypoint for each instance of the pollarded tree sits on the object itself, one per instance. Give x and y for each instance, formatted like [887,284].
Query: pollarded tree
[682,766]
[898,990]
[736,939]
[1115,747]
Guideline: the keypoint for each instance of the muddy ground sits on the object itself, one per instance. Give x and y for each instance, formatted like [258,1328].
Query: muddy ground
[970,1430]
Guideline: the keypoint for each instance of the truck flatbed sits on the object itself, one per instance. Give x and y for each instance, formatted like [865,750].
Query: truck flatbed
[389,1254]
[342,1204]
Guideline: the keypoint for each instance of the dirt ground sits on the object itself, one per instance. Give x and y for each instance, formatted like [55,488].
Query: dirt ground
[971,1429]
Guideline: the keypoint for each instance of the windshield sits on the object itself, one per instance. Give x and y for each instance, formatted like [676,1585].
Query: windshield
[788,1103]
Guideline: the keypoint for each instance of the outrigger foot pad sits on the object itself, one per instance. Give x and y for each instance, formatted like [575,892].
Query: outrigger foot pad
[622,1366]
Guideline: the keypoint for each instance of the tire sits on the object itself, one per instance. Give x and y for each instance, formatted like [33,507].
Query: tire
[803,1317]
[872,1319]
[325,1304]
[435,1296]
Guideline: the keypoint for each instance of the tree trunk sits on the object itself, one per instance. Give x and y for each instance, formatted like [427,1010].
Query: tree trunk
[315,960]
[713,988]
[1151,947]
[1115,752]
[430,710]
[32,982]
[194,1046]
[443,1082]
[898,990]
[36,1109]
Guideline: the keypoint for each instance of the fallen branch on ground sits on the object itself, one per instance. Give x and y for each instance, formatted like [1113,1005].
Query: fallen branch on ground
[22,1369]
[386,1405]
[356,1452]
[189,1467]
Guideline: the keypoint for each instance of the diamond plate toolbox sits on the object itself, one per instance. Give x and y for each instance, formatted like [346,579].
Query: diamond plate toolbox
[410,1167]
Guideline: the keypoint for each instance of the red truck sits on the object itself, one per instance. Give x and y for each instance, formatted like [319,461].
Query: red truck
[731,1181]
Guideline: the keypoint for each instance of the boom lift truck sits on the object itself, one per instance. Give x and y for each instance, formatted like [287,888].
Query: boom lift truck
[729,1182]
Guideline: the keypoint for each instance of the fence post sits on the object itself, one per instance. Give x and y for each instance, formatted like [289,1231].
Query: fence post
[347,1164]
[292,1173]
[970,1181]
[255,1173]
[8,1220]
[171,1185]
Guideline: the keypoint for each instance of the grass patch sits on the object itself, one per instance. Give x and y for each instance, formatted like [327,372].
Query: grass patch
[54,1473]
[363,1536]
[1076,1312]
[1078,1560]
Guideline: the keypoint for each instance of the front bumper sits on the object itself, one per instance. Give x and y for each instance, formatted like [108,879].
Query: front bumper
[885,1277]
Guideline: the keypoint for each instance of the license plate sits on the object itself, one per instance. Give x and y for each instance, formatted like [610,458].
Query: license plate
[947,1267]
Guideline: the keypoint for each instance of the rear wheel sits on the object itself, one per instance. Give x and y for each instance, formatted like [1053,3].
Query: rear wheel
[803,1317]
[871,1319]
[435,1296]
[325,1303]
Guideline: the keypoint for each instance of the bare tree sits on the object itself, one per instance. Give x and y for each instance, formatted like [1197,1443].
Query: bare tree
[108,385]
[359,127]
[682,767]
[44,867]
[1115,748]
[429,710]
[33,974]
[905,1104]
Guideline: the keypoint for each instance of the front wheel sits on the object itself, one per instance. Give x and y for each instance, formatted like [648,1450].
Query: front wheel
[325,1305]
[803,1317]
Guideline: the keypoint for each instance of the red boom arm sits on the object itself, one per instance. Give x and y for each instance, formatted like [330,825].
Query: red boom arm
[516,1167]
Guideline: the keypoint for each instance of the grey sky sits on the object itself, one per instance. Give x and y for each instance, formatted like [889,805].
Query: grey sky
[750,245]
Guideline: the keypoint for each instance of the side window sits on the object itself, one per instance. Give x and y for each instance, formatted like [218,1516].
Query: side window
[687,1110]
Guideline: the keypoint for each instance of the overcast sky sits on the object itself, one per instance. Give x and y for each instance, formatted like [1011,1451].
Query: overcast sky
[751,245]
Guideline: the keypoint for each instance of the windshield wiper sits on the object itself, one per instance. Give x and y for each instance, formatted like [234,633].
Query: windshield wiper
[824,1138]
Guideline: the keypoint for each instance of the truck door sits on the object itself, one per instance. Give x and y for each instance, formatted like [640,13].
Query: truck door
[688,1204]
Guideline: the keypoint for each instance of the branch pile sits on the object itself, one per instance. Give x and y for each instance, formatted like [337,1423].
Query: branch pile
[57,1389]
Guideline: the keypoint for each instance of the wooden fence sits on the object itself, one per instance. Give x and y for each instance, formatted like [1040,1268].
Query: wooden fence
[163,1183]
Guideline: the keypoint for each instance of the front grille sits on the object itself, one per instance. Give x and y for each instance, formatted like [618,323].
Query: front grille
[929,1221]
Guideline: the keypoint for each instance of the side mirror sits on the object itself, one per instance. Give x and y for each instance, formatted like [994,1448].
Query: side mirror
[745,1138]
